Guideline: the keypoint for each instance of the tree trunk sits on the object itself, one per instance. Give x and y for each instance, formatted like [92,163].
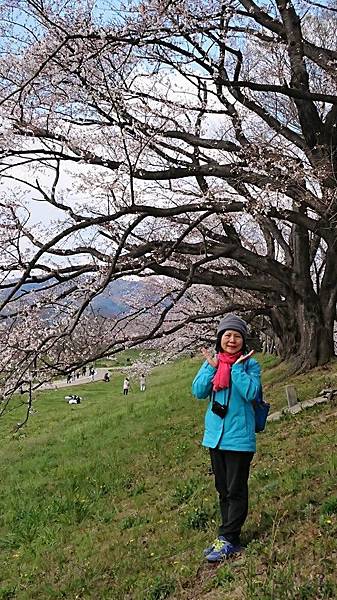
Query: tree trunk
[305,333]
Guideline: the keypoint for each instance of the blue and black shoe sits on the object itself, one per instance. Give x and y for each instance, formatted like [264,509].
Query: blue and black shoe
[222,549]
[212,546]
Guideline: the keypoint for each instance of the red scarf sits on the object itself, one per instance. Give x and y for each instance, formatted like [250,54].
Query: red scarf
[222,376]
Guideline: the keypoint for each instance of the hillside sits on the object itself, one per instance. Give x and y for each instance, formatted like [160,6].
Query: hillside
[111,499]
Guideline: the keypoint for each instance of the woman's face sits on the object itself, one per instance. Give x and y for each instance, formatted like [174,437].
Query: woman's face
[231,341]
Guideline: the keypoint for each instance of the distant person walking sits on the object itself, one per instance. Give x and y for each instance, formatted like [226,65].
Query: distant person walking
[126,386]
[232,383]
[106,377]
[92,373]
[142,383]
[84,371]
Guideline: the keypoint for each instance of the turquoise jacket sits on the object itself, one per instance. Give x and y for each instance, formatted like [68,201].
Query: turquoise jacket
[236,431]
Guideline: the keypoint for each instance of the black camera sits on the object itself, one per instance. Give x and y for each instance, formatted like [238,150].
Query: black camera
[219,409]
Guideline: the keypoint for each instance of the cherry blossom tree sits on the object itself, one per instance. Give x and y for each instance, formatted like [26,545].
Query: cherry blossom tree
[194,141]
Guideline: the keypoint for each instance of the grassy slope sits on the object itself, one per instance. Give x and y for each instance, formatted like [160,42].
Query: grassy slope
[112,499]
[308,385]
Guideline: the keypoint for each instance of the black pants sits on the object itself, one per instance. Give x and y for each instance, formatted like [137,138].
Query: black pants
[231,471]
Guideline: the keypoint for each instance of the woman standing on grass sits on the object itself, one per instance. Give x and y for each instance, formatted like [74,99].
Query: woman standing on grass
[232,382]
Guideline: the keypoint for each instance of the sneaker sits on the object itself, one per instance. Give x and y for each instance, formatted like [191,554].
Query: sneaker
[212,546]
[222,549]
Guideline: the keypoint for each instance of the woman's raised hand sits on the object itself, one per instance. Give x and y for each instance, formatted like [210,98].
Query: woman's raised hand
[244,357]
[207,356]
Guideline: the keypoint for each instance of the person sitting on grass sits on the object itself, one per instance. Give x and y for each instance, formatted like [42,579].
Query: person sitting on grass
[73,399]
[232,382]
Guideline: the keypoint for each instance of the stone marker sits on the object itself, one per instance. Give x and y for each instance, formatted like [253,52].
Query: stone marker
[296,408]
[291,395]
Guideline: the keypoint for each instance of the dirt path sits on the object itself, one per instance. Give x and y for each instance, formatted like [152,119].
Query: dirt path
[62,383]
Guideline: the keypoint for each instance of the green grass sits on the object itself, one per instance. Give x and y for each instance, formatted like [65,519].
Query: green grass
[308,385]
[111,499]
[125,358]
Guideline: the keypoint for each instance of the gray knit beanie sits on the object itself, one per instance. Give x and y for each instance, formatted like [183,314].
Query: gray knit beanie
[235,323]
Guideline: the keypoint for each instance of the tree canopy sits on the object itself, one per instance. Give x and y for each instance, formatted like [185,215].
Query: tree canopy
[194,141]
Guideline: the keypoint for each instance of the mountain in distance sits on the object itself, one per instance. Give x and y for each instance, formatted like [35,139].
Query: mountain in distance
[111,302]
